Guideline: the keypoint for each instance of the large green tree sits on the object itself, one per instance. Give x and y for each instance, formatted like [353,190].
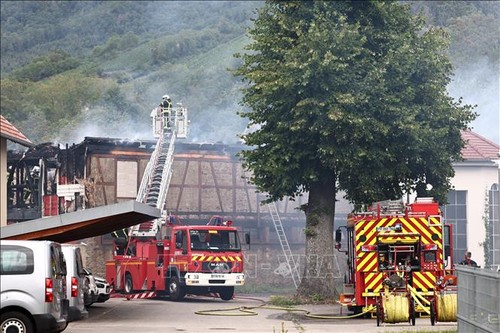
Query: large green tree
[347,95]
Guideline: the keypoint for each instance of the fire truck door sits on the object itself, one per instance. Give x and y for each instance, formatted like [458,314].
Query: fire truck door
[181,250]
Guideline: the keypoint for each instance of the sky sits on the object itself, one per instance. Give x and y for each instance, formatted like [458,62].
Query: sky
[479,84]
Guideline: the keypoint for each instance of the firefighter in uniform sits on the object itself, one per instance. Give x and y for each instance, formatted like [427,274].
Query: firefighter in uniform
[121,239]
[166,109]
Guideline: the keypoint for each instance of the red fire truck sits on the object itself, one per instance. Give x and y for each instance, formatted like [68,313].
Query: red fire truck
[162,255]
[191,259]
[401,251]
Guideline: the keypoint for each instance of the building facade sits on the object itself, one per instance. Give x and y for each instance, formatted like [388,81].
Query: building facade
[473,203]
[208,179]
[8,132]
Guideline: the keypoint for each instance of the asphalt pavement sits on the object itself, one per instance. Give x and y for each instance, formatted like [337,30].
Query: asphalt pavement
[243,314]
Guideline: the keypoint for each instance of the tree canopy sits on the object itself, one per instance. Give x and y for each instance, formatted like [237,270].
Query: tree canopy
[347,96]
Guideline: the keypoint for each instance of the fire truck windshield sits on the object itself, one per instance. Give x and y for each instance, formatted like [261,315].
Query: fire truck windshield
[217,240]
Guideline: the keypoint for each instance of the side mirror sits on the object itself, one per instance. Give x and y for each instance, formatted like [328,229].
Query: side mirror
[247,238]
[338,236]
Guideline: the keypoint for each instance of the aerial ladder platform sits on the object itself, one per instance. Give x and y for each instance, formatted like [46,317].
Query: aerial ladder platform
[168,125]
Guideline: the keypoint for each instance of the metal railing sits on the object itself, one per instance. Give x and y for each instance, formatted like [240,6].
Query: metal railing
[478,300]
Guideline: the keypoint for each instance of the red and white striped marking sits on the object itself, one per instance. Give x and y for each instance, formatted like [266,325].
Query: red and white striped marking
[148,294]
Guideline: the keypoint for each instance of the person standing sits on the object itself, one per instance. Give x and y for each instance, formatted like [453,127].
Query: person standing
[383,263]
[166,102]
[166,109]
[468,261]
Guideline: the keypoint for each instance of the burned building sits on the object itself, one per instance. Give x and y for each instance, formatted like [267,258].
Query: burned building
[207,180]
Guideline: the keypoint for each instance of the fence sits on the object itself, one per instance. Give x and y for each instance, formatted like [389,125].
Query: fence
[478,300]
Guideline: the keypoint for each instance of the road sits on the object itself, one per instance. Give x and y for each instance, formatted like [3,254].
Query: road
[162,315]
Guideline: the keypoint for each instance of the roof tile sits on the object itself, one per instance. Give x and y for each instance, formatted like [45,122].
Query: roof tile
[10,132]
[478,147]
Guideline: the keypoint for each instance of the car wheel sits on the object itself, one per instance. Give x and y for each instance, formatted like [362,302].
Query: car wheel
[16,322]
[64,327]
[129,286]
[226,293]
[175,289]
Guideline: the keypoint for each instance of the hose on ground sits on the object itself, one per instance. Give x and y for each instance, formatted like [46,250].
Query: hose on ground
[249,311]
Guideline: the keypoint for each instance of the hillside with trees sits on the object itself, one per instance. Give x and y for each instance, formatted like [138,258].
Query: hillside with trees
[71,69]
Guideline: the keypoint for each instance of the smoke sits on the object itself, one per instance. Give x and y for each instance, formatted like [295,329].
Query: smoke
[479,84]
[109,123]
[215,125]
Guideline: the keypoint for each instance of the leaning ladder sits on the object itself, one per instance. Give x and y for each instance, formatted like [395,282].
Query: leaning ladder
[290,261]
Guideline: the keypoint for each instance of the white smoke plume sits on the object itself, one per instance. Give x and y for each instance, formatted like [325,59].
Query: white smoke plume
[480,84]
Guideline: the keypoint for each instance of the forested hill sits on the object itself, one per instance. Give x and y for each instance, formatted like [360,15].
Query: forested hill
[96,68]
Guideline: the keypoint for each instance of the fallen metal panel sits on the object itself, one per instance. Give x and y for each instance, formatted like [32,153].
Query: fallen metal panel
[82,224]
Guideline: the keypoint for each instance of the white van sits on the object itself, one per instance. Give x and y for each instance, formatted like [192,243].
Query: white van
[75,282]
[33,295]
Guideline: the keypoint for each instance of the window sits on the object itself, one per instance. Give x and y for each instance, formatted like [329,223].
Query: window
[430,256]
[455,213]
[126,179]
[214,240]
[16,260]
[79,263]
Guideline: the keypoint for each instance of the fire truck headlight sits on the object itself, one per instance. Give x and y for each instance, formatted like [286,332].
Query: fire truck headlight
[240,279]
[192,279]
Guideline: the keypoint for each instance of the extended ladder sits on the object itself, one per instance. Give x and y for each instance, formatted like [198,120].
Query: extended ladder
[156,179]
[290,261]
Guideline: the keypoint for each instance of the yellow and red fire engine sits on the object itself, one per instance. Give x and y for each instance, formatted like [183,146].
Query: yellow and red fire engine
[399,260]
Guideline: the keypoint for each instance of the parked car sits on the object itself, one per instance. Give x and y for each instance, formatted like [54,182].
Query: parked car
[33,294]
[103,289]
[75,283]
[91,292]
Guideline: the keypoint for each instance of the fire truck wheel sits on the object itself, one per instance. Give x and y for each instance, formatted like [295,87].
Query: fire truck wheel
[128,284]
[226,293]
[433,313]
[175,289]
[413,313]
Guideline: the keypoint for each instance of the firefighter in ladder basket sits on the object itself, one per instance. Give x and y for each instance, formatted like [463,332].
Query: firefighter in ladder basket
[166,109]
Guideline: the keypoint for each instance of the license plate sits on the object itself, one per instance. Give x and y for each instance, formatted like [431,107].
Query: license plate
[217,276]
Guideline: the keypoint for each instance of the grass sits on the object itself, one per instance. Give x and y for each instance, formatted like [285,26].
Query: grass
[264,289]
[284,301]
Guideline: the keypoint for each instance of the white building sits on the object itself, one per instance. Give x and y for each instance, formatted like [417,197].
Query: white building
[473,204]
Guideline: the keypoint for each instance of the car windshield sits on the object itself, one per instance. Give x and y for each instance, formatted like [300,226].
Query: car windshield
[217,240]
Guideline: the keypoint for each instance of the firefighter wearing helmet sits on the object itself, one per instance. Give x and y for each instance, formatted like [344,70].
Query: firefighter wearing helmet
[166,102]
[166,109]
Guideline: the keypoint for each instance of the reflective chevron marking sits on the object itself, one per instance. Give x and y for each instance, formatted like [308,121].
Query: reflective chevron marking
[424,280]
[215,258]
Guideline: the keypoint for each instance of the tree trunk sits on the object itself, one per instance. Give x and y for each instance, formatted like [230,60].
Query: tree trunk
[317,277]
